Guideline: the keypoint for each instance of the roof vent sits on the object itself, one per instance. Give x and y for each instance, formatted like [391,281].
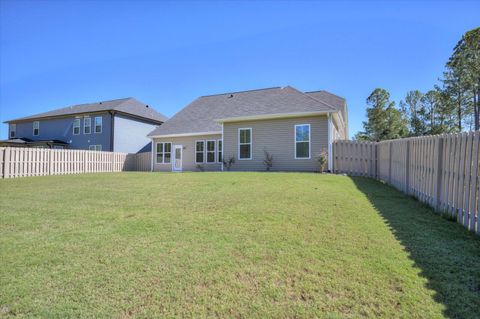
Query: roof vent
[231,95]
[99,102]
[146,106]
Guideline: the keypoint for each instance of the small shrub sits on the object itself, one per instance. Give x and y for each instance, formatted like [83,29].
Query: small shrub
[228,164]
[200,168]
[322,159]
[268,161]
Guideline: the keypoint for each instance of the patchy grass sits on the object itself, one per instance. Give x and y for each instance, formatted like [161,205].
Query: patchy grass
[229,245]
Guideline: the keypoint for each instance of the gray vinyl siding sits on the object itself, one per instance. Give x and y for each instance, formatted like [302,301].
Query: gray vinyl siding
[62,129]
[130,135]
[277,136]
[188,153]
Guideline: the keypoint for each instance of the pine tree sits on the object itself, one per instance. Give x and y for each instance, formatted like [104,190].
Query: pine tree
[384,120]
[462,78]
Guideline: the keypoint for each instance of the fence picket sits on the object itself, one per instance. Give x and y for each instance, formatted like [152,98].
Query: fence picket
[442,170]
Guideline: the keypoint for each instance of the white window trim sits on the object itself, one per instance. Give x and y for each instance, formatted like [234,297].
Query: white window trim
[79,126]
[85,126]
[163,152]
[12,128]
[204,149]
[251,143]
[219,151]
[214,151]
[38,128]
[95,125]
[309,142]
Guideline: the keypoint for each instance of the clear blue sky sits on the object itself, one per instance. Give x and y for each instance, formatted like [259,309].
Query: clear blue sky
[58,53]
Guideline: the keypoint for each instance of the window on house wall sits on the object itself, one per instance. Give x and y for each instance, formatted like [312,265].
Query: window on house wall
[87,125]
[302,141]
[199,151]
[219,151]
[164,153]
[76,126]
[245,143]
[36,128]
[95,148]
[211,151]
[98,124]
[13,130]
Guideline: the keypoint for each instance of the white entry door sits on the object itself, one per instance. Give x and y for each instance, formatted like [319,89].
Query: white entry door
[177,159]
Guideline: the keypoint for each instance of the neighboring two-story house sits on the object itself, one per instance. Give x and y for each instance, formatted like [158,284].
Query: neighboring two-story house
[290,125]
[118,125]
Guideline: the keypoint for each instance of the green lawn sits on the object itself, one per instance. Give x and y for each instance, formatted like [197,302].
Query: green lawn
[229,245]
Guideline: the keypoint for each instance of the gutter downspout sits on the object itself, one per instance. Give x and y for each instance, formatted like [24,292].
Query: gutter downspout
[330,157]
[112,129]
[151,160]
[223,154]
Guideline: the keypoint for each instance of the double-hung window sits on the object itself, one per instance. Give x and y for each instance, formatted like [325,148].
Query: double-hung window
[164,153]
[244,143]
[13,130]
[76,126]
[211,151]
[36,128]
[87,125]
[199,151]
[302,141]
[98,124]
[219,151]
[95,148]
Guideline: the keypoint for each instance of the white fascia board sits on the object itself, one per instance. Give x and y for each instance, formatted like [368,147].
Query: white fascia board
[186,134]
[271,116]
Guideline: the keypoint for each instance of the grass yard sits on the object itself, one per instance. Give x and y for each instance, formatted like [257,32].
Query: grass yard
[261,245]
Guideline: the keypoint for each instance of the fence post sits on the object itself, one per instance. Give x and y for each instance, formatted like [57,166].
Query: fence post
[407,168]
[390,162]
[6,164]
[50,162]
[439,173]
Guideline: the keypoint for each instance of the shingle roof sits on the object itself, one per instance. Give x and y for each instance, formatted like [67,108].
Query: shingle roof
[332,99]
[126,105]
[200,115]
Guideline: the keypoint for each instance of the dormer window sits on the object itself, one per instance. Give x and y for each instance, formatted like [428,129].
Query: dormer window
[13,130]
[36,128]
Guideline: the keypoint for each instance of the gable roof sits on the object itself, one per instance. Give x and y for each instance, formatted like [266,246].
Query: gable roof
[334,100]
[128,105]
[202,114]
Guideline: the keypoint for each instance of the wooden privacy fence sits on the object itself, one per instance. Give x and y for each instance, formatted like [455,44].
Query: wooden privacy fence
[141,162]
[22,162]
[440,170]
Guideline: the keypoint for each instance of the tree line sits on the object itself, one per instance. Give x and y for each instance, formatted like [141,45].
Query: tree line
[451,106]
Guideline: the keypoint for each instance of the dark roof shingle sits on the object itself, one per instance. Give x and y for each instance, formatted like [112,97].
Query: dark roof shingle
[200,115]
[126,105]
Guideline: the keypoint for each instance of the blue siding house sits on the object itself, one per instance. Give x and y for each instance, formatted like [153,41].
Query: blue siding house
[117,125]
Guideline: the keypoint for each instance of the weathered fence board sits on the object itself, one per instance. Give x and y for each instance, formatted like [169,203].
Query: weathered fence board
[441,170]
[23,162]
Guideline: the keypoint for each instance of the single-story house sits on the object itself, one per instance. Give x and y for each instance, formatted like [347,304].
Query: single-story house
[241,127]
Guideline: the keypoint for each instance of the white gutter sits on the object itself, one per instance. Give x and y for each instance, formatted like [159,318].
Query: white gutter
[271,116]
[330,148]
[186,134]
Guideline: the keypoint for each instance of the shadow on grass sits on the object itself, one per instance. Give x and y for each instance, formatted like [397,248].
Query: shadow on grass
[447,254]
